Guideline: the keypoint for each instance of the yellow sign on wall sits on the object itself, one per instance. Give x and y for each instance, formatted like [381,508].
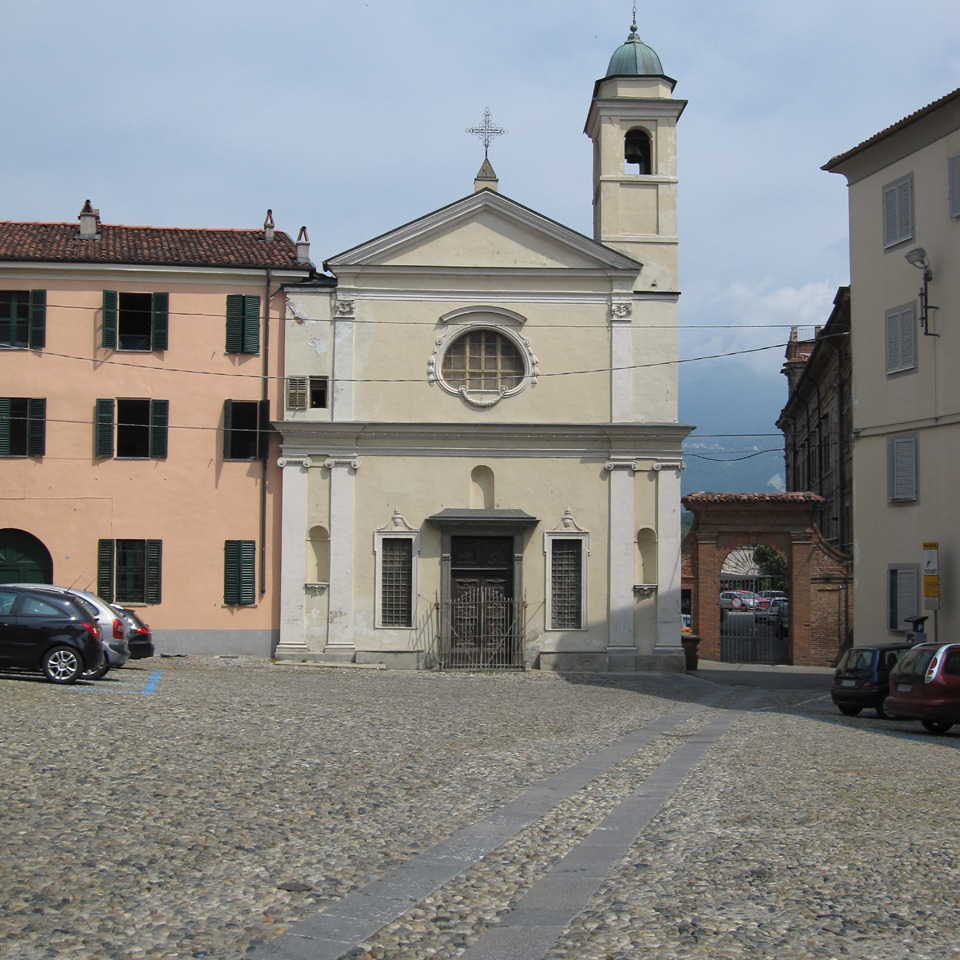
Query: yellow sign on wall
[931,575]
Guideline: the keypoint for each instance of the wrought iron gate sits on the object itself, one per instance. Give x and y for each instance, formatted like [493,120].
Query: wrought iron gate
[481,629]
[748,633]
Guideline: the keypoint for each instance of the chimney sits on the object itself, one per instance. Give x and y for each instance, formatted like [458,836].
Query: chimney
[89,222]
[268,227]
[303,246]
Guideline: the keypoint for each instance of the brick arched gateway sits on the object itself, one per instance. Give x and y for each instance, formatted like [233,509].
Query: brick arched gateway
[820,581]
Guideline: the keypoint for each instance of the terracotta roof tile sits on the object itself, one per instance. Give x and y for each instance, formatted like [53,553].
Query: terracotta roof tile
[151,246]
[899,125]
[788,497]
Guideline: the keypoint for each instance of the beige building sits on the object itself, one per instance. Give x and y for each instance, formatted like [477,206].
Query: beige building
[904,191]
[481,455]
[139,370]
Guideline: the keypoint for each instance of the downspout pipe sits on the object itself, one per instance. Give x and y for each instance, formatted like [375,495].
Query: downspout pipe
[265,398]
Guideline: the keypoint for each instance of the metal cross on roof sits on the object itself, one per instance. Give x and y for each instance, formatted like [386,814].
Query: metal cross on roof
[486,131]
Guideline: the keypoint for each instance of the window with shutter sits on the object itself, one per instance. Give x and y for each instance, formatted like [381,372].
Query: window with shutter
[239,572]
[135,321]
[296,393]
[902,468]
[22,426]
[246,426]
[901,335]
[23,318]
[898,211]
[953,174]
[243,324]
[129,571]
[903,596]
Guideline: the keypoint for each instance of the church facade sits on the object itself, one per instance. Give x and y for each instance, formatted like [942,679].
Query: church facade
[481,451]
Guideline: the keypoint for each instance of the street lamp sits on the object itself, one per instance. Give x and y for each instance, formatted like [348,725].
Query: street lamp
[918,258]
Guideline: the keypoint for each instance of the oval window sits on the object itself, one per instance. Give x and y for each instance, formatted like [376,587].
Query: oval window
[483,361]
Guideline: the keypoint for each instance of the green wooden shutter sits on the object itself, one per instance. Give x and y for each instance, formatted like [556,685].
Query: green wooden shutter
[103,429]
[38,319]
[160,321]
[227,429]
[36,426]
[234,322]
[105,570]
[110,319]
[159,418]
[251,324]
[4,426]
[248,551]
[263,429]
[154,557]
[231,572]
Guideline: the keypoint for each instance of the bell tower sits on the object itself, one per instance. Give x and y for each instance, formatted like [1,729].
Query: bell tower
[633,125]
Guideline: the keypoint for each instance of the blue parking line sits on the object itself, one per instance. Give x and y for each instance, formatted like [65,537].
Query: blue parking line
[151,685]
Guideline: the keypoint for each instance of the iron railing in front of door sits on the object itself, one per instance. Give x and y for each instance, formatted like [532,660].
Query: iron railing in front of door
[481,629]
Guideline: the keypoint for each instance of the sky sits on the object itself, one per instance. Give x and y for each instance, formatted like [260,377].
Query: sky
[350,117]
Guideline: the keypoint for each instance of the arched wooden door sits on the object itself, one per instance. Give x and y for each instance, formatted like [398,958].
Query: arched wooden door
[23,558]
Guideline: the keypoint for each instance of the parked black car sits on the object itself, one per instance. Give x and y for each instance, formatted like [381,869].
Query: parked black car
[47,631]
[139,634]
[862,678]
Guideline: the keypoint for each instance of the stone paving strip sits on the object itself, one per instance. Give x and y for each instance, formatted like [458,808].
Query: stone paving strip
[344,925]
[239,797]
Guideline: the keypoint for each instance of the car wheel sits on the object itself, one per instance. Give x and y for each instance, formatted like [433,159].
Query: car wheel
[848,709]
[62,665]
[883,713]
[99,673]
[937,726]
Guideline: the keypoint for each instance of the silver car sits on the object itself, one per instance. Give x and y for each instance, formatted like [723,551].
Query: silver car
[113,627]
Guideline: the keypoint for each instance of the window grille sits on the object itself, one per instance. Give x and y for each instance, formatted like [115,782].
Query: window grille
[396,582]
[483,360]
[566,575]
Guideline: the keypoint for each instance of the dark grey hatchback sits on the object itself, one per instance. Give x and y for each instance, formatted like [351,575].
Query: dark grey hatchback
[46,631]
[862,678]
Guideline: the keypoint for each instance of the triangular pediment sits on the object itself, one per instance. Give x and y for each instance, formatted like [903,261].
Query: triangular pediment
[484,231]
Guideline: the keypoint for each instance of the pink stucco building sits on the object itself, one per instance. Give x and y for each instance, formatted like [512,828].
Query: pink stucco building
[139,370]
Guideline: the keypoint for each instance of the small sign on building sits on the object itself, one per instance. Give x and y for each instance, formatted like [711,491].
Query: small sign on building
[931,575]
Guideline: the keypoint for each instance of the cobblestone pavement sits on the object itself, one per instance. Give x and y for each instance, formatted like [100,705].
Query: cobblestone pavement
[205,811]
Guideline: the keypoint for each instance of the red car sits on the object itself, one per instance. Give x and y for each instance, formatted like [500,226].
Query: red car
[925,686]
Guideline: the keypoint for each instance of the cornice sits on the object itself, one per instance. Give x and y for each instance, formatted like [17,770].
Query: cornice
[182,275]
[636,446]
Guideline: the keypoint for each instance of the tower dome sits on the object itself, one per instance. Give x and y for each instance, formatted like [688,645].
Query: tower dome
[634,58]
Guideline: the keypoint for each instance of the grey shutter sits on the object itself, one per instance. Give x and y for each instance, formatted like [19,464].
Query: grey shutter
[251,324]
[893,342]
[36,426]
[908,341]
[110,319]
[902,453]
[159,325]
[159,418]
[889,216]
[296,393]
[905,210]
[227,429]
[154,555]
[38,319]
[103,429]
[105,570]
[234,322]
[4,426]
[907,599]
[953,173]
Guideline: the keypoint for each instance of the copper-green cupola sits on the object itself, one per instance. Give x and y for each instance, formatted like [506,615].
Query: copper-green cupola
[634,58]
